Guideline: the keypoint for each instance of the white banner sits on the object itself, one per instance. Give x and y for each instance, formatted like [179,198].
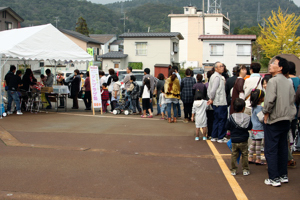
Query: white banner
[95,87]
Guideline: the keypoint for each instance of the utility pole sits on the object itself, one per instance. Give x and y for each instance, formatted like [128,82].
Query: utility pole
[56,20]
[258,13]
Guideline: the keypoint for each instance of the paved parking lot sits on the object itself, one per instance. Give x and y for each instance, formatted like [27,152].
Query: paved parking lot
[76,155]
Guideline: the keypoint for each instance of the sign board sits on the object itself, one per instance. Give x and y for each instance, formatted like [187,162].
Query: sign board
[91,52]
[95,87]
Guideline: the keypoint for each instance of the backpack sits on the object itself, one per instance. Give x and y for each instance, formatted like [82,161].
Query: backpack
[135,91]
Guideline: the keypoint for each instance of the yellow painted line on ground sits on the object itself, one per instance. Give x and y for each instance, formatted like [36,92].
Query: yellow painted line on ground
[237,190]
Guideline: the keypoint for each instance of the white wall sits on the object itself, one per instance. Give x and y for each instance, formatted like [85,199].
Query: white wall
[110,63]
[158,51]
[180,24]
[213,25]
[230,57]
[114,47]
[104,47]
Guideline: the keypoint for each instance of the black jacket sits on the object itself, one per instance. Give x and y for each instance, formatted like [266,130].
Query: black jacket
[239,124]
[228,86]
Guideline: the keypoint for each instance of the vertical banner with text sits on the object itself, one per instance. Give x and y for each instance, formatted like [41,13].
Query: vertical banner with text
[95,87]
[91,52]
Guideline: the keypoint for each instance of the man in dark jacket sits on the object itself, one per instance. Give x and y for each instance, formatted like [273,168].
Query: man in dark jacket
[75,88]
[239,124]
[230,83]
[14,83]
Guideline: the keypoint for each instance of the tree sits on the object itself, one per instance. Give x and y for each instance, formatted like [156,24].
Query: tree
[279,34]
[81,26]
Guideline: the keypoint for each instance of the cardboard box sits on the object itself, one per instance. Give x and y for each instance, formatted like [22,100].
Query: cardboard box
[46,89]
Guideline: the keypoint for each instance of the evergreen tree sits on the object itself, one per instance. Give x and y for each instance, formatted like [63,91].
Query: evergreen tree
[81,26]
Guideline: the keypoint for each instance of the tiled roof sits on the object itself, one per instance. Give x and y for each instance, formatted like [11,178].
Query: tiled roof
[103,38]
[114,55]
[227,37]
[116,42]
[13,13]
[80,36]
[150,35]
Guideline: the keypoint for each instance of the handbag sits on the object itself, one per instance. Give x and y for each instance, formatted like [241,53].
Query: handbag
[260,116]
[254,88]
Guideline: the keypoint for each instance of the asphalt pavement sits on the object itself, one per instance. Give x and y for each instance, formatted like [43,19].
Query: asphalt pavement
[75,155]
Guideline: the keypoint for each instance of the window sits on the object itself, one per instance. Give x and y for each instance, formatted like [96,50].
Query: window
[216,49]
[175,47]
[8,26]
[243,49]
[141,48]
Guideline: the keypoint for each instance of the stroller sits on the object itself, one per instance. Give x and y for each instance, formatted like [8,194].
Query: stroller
[123,106]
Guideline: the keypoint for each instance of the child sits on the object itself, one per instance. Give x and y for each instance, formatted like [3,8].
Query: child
[256,98]
[104,97]
[146,96]
[133,90]
[162,103]
[199,108]
[239,123]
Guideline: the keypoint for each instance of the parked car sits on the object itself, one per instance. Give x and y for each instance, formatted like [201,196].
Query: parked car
[199,71]
[124,71]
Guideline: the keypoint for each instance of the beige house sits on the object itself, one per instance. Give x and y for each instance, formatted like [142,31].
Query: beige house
[191,24]
[151,49]
[9,19]
[114,60]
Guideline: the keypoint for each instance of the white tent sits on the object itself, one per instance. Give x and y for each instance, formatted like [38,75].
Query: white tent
[43,42]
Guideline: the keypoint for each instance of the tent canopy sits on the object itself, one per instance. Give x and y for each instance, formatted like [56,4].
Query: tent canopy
[43,42]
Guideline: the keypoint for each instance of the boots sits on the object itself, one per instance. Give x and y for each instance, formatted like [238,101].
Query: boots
[169,120]
[175,120]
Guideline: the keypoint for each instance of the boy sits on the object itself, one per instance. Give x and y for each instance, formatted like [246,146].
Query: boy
[239,123]
[133,90]
[105,97]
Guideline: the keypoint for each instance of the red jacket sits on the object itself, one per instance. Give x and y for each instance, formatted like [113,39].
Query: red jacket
[105,95]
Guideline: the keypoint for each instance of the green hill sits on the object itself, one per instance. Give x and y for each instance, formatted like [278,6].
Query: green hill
[139,14]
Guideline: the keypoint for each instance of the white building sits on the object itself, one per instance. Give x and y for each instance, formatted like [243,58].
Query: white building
[231,50]
[190,25]
[146,48]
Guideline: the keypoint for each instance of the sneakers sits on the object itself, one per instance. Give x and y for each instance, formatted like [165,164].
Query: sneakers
[204,138]
[274,182]
[233,173]
[284,179]
[9,112]
[19,112]
[196,138]
[186,121]
[224,140]
[213,139]
[246,173]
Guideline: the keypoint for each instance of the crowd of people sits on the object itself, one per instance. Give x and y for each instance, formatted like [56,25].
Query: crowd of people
[244,105]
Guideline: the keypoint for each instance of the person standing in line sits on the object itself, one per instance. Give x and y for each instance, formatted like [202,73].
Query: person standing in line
[146,96]
[104,97]
[279,109]
[87,99]
[230,83]
[217,98]
[187,96]
[253,82]
[15,83]
[134,91]
[115,94]
[172,94]
[110,84]
[153,83]
[103,78]
[179,78]
[160,84]
[61,81]
[239,124]
[127,84]
[75,88]
[257,132]
[238,88]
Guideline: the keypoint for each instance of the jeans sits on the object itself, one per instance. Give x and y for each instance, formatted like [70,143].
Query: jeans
[158,107]
[136,105]
[87,99]
[220,117]
[129,99]
[187,110]
[174,109]
[178,109]
[276,148]
[48,100]
[13,95]
[236,149]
